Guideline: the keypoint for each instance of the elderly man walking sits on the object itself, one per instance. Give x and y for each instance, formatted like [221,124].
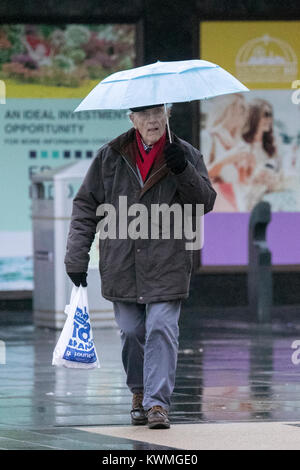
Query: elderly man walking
[146,278]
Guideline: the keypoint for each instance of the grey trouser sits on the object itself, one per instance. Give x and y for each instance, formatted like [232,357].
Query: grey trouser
[149,334]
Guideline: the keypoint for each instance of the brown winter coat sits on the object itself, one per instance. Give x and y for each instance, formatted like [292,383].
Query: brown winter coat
[137,270]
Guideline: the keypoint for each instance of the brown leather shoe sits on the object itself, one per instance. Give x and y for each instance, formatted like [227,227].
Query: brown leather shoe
[158,418]
[138,414]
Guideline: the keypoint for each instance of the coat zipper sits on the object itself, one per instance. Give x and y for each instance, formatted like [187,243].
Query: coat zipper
[132,170]
[136,174]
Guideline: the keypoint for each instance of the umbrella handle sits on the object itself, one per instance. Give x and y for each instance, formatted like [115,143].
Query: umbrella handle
[168,125]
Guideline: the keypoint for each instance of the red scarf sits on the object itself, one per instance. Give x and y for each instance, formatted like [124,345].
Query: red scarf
[145,163]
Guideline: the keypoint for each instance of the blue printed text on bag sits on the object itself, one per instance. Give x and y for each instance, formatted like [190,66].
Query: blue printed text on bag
[81,345]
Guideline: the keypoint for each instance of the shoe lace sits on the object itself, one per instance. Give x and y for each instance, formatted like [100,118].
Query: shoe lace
[159,409]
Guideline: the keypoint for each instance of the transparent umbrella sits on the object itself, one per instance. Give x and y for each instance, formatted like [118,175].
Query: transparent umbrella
[161,82]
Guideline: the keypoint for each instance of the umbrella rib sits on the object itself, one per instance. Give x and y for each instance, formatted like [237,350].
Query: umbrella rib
[156,74]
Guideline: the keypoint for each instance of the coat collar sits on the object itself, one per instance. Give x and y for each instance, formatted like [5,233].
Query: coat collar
[126,145]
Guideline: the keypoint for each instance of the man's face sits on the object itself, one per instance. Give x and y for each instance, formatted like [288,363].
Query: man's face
[151,123]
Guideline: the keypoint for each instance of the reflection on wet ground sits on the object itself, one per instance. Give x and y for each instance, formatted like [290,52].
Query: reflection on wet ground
[227,371]
[238,372]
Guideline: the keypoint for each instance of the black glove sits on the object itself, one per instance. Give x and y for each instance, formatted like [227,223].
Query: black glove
[175,159]
[78,278]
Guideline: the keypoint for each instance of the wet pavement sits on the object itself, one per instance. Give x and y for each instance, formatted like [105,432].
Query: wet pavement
[229,371]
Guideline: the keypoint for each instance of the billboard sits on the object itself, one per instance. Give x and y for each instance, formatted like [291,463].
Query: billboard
[46,71]
[251,141]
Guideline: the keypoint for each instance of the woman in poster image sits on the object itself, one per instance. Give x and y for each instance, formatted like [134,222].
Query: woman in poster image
[251,167]
[267,174]
[228,159]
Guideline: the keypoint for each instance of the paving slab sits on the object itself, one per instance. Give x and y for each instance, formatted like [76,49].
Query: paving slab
[228,436]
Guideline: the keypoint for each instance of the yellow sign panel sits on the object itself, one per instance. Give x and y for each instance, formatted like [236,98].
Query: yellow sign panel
[261,54]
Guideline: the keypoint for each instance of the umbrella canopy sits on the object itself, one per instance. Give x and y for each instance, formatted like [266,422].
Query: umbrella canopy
[161,82]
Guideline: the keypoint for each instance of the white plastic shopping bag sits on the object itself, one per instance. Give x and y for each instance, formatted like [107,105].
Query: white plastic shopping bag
[75,347]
